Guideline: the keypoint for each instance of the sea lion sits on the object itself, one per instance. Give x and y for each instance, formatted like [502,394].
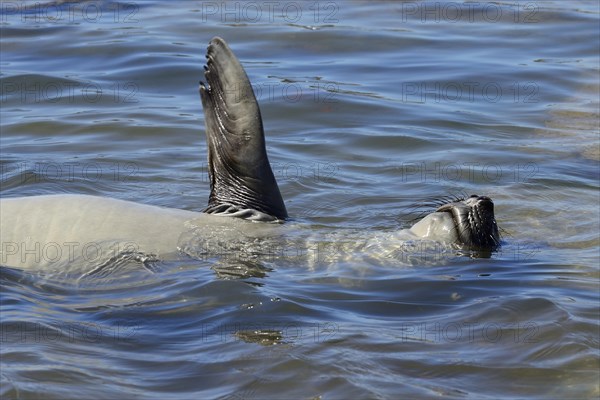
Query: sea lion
[54,230]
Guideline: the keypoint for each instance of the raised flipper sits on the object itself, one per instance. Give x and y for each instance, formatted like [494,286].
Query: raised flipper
[241,180]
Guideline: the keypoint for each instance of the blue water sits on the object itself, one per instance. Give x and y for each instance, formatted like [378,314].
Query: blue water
[372,111]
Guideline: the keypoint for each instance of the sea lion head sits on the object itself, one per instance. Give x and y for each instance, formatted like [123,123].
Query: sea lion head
[474,221]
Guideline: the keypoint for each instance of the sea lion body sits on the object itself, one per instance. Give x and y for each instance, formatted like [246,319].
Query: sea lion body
[40,231]
[54,231]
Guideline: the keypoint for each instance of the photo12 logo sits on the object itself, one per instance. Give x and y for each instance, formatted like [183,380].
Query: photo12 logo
[469,92]
[69,12]
[470,332]
[65,91]
[65,331]
[44,172]
[290,12]
[317,332]
[453,12]
[317,171]
[471,172]
[92,253]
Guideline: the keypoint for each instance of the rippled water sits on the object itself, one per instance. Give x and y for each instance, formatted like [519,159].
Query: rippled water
[372,110]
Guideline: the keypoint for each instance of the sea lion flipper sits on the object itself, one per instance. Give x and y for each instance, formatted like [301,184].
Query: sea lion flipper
[240,174]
